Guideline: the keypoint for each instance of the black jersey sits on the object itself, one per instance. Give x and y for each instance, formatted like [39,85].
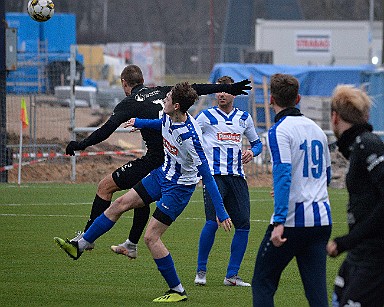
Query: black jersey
[365,185]
[146,103]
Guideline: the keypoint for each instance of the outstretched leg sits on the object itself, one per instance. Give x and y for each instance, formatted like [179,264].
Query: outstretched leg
[105,222]
[102,224]
[105,190]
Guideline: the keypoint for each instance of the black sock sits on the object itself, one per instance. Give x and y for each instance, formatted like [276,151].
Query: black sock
[140,219]
[98,207]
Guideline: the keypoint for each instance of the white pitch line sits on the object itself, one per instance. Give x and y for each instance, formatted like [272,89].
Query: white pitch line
[126,217]
[75,204]
[39,215]
[83,216]
[44,204]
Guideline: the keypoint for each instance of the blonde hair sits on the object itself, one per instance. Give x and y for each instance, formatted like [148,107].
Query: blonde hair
[351,103]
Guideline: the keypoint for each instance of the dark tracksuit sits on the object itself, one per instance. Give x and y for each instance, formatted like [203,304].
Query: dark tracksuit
[361,276]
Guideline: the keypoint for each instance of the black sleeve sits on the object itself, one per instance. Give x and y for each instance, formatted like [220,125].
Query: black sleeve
[164,89]
[101,134]
[373,224]
[370,227]
[205,89]
[237,88]
[202,89]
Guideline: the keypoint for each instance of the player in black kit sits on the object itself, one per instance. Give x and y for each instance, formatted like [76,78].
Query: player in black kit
[141,102]
[360,281]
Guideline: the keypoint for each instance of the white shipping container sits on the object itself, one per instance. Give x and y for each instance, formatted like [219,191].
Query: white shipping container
[295,42]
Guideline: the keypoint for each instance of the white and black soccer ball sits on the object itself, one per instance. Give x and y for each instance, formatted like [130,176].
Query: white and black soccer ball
[41,10]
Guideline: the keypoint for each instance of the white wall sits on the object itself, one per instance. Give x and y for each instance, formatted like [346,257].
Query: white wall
[318,42]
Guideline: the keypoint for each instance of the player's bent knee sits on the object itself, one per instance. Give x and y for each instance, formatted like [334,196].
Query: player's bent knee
[147,240]
[107,187]
[150,239]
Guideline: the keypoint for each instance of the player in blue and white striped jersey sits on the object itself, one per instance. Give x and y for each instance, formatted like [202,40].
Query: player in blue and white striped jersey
[223,129]
[170,185]
[301,222]
[183,151]
[223,133]
[301,172]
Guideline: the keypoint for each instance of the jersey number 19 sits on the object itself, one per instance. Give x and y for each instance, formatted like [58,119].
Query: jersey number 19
[316,158]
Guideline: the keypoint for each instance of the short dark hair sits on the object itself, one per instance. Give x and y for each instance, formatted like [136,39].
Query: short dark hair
[284,89]
[133,75]
[225,80]
[184,94]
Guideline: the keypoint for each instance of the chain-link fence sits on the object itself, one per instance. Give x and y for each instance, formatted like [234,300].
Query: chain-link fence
[45,139]
[45,85]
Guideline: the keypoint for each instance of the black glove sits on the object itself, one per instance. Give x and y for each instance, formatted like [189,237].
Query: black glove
[240,88]
[72,146]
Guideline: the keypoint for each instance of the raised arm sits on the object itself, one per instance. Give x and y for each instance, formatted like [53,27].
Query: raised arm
[96,137]
[144,123]
[237,88]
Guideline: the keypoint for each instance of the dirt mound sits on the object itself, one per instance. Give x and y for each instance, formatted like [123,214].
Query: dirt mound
[92,170]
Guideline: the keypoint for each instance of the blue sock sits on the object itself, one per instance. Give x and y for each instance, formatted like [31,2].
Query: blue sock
[167,269]
[99,227]
[207,237]
[238,247]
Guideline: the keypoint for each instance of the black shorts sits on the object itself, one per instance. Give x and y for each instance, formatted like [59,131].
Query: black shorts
[359,284]
[235,194]
[132,172]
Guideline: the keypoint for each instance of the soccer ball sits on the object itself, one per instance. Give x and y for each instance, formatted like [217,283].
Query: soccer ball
[41,10]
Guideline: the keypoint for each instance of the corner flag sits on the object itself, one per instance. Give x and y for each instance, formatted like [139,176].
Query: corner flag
[24,123]
[24,114]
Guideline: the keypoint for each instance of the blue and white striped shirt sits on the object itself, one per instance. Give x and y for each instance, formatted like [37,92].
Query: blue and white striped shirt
[185,162]
[222,139]
[301,171]
[183,150]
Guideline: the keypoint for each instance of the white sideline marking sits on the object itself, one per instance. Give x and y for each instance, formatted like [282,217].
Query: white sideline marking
[125,217]
[76,204]
[39,215]
[45,204]
[83,216]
